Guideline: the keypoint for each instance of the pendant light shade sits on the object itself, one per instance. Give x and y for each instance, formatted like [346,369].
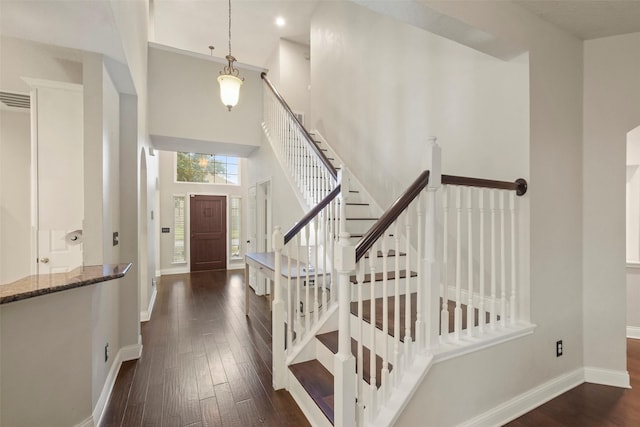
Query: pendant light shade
[229,89]
[228,79]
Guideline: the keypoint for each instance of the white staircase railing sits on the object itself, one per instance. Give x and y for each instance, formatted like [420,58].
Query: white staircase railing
[437,275]
[306,164]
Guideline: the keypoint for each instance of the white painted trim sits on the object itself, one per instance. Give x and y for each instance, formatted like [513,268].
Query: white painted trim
[52,84]
[126,353]
[207,57]
[86,423]
[633,264]
[633,332]
[175,270]
[145,315]
[158,273]
[607,377]
[527,401]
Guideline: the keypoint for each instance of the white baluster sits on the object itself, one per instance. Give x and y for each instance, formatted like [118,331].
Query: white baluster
[307,296]
[481,309]
[503,263]
[512,208]
[385,321]
[397,363]
[372,333]
[457,323]
[470,310]
[444,317]
[316,301]
[422,279]
[492,207]
[325,260]
[277,316]
[407,293]
[299,328]
[360,360]
[289,299]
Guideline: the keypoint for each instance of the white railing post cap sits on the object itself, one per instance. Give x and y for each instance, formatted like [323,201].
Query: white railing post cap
[345,256]
[433,162]
[277,238]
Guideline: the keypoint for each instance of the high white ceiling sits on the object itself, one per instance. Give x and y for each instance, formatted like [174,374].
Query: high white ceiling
[195,24]
[588,19]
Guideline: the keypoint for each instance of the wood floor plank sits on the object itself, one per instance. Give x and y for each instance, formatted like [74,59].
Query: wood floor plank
[210,412]
[227,405]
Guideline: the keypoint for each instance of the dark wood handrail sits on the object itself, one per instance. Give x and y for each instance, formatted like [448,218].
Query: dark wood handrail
[391,215]
[311,214]
[519,185]
[323,158]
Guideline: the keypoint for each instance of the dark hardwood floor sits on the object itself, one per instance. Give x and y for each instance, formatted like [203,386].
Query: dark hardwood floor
[203,362]
[592,405]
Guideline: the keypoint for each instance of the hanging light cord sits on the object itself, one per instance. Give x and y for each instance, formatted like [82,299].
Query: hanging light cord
[229,27]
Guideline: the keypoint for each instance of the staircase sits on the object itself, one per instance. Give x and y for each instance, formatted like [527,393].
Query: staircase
[365,300]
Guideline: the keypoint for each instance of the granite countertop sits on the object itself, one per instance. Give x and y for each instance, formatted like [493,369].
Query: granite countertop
[42,284]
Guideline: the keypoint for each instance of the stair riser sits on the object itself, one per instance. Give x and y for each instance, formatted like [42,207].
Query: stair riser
[381,338]
[379,289]
[359,226]
[359,211]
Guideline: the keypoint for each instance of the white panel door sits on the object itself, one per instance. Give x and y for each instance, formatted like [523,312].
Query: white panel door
[59,139]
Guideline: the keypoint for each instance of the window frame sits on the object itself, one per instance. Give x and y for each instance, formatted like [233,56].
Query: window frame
[175,170]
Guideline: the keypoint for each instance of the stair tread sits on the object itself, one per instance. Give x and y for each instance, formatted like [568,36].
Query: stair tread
[330,340]
[391,275]
[318,382]
[366,314]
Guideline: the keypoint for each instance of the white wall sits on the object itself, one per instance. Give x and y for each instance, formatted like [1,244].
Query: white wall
[169,188]
[380,87]
[15,190]
[550,119]
[189,110]
[264,166]
[611,110]
[295,75]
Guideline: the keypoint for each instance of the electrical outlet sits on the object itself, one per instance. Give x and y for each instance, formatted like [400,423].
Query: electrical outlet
[559,348]
[106,352]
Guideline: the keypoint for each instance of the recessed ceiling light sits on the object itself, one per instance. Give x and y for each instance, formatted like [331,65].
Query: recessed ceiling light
[280,21]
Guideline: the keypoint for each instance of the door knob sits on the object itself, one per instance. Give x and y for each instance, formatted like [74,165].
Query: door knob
[44,260]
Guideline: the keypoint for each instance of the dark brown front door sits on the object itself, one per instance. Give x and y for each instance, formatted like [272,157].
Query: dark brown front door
[208,233]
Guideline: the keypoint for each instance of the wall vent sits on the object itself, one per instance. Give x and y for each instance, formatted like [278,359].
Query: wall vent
[15,100]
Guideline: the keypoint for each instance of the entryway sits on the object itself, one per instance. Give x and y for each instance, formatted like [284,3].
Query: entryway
[208,225]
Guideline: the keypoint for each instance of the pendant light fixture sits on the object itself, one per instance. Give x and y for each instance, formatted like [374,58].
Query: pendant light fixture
[228,79]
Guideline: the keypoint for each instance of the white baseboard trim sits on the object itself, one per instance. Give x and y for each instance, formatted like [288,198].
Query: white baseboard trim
[129,352]
[158,273]
[175,270]
[607,377]
[633,332]
[527,401]
[145,315]
[86,423]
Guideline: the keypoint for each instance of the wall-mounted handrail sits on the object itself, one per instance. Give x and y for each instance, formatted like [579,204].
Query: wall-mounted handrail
[321,156]
[311,214]
[391,215]
[519,185]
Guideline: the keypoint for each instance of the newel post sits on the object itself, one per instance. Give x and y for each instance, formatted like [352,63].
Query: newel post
[344,362]
[431,266]
[278,315]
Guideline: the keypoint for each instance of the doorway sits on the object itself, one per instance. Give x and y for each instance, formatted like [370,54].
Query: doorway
[208,225]
[264,227]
